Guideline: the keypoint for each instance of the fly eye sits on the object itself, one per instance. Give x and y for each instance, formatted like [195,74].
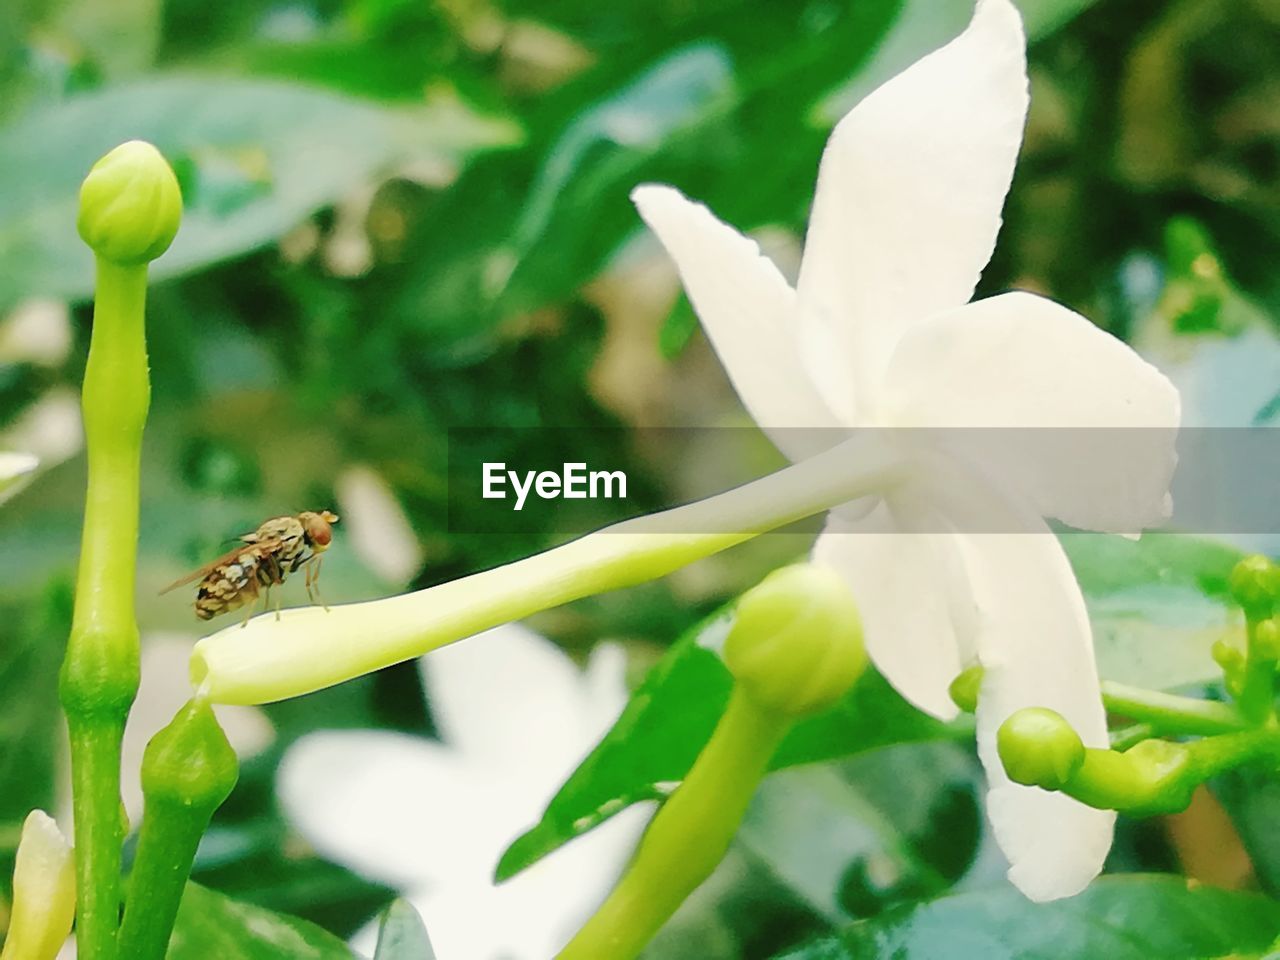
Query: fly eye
[320,533]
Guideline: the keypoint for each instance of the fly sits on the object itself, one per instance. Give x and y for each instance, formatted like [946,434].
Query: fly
[266,557]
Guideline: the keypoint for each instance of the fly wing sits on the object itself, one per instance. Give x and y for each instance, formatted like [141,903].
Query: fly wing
[260,547]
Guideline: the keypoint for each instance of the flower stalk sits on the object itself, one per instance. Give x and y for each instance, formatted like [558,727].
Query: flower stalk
[794,648]
[1040,749]
[188,770]
[129,211]
[1154,712]
[309,648]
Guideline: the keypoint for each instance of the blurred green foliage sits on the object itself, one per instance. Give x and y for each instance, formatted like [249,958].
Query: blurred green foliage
[407,216]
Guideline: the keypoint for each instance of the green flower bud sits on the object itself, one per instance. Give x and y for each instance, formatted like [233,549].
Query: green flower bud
[189,762]
[964,688]
[1266,639]
[1039,748]
[1255,585]
[130,205]
[796,641]
[1231,659]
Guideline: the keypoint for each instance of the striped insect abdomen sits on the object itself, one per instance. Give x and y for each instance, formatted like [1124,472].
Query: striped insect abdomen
[235,583]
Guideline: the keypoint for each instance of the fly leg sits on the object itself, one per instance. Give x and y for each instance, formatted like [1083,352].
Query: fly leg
[313,583]
[248,607]
[276,577]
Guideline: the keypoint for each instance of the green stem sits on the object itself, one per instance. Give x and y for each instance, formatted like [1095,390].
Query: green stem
[1169,713]
[188,770]
[99,676]
[1157,776]
[689,835]
[1257,694]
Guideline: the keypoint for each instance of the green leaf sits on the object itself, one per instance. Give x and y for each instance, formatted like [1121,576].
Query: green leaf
[254,158]
[1157,604]
[669,719]
[403,935]
[853,838]
[1119,918]
[30,652]
[213,927]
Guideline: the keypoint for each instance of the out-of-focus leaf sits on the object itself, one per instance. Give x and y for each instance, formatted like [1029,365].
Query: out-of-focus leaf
[403,935]
[213,927]
[670,718]
[708,99]
[1157,604]
[1252,798]
[883,827]
[1044,17]
[254,158]
[922,27]
[30,651]
[1120,918]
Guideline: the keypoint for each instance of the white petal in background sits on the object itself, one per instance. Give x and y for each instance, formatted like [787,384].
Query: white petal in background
[51,428]
[376,524]
[15,470]
[432,819]
[37,331]
[748,311]
[1003,375]
[910,192]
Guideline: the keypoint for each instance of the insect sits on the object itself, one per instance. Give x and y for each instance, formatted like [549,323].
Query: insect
[266,557]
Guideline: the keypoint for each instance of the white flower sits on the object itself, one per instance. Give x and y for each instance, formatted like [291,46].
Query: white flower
[878,333]
[430,818]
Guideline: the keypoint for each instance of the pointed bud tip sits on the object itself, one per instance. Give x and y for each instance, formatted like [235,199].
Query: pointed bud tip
[1039,748]
[796,641]
[191,760]
[130,204]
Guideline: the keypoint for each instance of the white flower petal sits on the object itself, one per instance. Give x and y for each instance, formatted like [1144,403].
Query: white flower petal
[376,525]
[748,312]
[508,699]
[1021,361]
[911,592]
[533,915]
[910,191]
[395,808]
[1036,646]
[15,468]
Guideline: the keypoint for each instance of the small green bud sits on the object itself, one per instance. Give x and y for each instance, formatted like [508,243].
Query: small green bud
[1255,585]
[1266,639]
[1231,659]
[796,641]
[130,205]
[1039,748]
[189,762]
[964,688]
